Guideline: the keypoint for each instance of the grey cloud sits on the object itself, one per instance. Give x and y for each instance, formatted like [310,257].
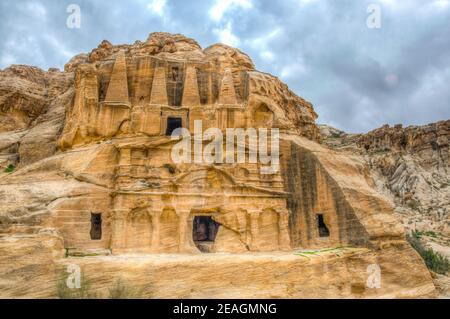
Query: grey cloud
[357,78]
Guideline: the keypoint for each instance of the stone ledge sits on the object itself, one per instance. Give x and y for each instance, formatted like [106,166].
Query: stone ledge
[330,273]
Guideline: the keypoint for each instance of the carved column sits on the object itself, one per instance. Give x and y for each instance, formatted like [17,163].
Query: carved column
[284,241]
[254,230]
[156,230]
[125,163]
[125,156]
[118,224]
[184,222]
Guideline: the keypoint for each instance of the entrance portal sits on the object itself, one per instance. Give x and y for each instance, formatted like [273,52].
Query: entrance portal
[323,229]
[204,233]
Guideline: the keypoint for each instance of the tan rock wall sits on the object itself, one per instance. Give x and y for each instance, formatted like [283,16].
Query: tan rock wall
[335,274]
[114,159]
[315,192]
[354,183]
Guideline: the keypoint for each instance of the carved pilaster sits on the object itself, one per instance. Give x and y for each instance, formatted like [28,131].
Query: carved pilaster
[125,161]
[125,156]
[156,230]
[284,241]
[118,230]
[119,215]
[185,228]
[254,230]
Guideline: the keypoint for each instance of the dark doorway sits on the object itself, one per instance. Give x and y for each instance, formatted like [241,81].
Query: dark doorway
[323,229]
[204,232]
[96,226]
[172,124]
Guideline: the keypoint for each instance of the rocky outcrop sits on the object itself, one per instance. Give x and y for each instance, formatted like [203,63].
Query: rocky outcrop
[411,166]
[342,271]
[94,174]
[26,93]
[32,107]
[340,188]
[415,163]
[155,72]
[424,141]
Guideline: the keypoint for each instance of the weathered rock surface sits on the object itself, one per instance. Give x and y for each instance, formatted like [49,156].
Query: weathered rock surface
[411,166]
[94,175]
[32,108]
[336,273]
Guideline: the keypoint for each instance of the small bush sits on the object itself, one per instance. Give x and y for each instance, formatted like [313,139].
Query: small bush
[10,168]
[335,135]
[118,291]
[413,204]
[419,234]
[431,234]
[434,260]
[121,291]
[416,235]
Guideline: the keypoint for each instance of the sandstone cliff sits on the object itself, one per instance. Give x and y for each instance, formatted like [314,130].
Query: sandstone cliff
[32,106]
[88,172]
[410,165]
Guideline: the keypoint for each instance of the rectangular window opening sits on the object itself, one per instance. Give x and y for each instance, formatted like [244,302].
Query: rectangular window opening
[172,124]
[96,226]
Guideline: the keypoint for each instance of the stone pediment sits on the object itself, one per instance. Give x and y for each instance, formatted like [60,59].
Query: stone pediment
[209,180]
[216,181]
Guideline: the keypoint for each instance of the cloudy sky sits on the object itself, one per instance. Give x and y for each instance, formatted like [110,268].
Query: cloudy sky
[358,78]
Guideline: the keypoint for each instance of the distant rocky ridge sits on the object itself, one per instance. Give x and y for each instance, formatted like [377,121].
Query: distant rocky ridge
[410,164]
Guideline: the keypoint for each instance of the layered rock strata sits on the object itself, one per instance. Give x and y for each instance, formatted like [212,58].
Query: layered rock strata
[102,181]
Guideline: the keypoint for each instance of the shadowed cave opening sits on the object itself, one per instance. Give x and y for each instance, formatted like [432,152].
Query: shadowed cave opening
[172,124]
[96,226]
[204,232]
[323,229]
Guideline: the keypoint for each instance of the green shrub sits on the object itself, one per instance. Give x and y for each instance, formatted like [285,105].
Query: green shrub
[121,291]
[413,204]
[431,234]
[416,234]
[335,135]
[434,260]
[118,291]
[419,234]
[10,168]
